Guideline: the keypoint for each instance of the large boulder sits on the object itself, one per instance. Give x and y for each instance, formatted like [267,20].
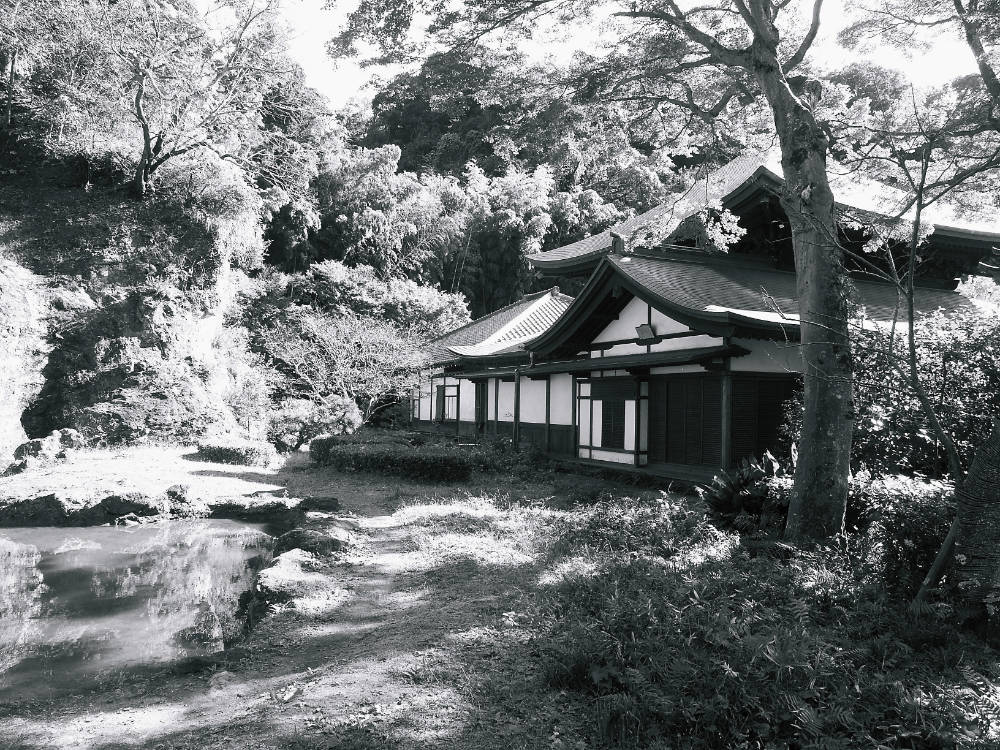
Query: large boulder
[318,543]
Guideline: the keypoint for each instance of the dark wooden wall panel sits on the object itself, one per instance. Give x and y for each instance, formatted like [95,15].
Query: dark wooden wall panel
[711,422]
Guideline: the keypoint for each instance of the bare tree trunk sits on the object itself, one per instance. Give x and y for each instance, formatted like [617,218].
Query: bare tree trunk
[140,181]
[976,546]
[819,497]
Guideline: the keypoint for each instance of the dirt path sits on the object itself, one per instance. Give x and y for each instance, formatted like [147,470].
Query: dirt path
[385,645]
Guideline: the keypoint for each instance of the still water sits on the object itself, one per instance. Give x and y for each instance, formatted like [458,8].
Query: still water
[79,604]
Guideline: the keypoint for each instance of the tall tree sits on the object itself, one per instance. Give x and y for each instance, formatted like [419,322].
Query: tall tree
[695,65]
[150,80]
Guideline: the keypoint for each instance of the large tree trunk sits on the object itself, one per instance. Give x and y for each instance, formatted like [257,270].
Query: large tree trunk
[977,546]
[11,75]
[819,497]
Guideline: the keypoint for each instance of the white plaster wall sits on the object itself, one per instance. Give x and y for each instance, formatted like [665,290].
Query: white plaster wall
[561,409]
[506,404]
[613,456]
[619,350]
[676,370]
[491,403]
[467,400]
[425,397]
[630,425]
[595,427]
[635,313]
[532,401]
[686,342]
[664,324]
[668,345]
[583,421]
[768,356]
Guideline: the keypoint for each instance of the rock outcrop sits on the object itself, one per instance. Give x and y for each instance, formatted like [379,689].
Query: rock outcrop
[22,350]
[42,451]
[318,543]
[137,370]
[121,508]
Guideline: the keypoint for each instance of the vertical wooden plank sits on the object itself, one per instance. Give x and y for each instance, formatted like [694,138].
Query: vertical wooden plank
[458,407]
[517,407]
[575,403]
[726,425]
[548,413]
[496,405]
[638,415]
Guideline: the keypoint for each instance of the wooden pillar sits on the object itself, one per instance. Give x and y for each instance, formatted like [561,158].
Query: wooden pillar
[433,415]
[458,407]
[517,408]
[726,422]
[496,405]
[637,419]
[575,405]
[548,413]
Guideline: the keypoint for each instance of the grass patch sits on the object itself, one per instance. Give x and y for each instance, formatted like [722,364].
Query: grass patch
[635,622]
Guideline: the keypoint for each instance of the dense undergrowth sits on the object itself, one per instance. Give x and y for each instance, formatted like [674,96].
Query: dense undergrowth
[675,634]
[643,624]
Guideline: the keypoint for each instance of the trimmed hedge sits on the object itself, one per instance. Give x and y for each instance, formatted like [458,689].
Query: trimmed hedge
[243,454]
[425,463]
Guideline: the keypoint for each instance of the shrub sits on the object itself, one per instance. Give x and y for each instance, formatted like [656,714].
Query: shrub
[297,421]
[956,361]
[696,644]
[422,463]
[246,453]
[750,497]
[905,520]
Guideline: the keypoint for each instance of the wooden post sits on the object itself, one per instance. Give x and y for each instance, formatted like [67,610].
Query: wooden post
[458,407]
[726,421]
[637,418]
[575,405]
[517,407]
[548,412]
[496,405]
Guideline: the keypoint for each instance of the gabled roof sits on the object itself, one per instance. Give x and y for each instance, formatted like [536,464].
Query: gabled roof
[762,170]
[504,331]
[722,296]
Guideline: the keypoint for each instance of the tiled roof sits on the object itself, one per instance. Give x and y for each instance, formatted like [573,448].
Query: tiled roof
[851,191]
[504,331]
[758,295]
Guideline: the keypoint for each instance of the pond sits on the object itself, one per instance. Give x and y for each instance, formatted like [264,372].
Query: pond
[78,605]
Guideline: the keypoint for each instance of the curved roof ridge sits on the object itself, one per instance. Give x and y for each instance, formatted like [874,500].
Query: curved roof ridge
[852,190]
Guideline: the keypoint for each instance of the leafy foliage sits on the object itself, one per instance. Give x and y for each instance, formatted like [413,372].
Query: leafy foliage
[243,453]
[697,644]
[297,421]
[326,357]
[747,498]
[957,359]
[905,521]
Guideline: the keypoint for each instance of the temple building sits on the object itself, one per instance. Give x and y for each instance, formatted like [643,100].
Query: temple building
[673,357]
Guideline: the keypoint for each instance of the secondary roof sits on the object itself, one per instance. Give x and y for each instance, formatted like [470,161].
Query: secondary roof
[504,331]
[746,174]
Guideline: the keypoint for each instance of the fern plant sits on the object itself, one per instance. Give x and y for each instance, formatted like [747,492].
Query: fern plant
[746,498]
